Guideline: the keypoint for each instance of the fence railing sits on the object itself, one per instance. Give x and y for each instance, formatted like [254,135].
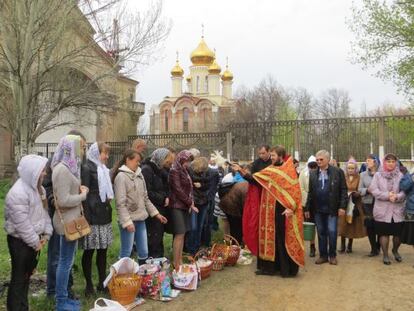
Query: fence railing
[343,137]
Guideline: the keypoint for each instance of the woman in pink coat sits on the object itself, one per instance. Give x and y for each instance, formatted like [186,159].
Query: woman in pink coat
[388,206]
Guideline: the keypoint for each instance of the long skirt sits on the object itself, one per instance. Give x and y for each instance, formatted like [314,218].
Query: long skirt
[407,235]
[283,263]
[357,228]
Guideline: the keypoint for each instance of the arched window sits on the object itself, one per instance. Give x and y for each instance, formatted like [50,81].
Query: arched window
[166,120]
[198,84]
[185,119]
[206,85]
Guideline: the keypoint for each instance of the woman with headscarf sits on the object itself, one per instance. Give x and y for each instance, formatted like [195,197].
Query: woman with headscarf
[155,172]
[351,225]
[28,227]
[388,206]
[372,165]
[133,205]
[98,212]
[69,194]
[181,202]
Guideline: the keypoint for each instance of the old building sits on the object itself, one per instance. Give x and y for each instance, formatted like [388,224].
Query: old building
[207,103]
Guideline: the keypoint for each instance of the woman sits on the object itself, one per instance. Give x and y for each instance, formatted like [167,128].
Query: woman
[280,250]
[201,185]
[155,172]
[69,194]
[181,202]
[407,185]
[28,227]
[372,165]
[98,212]
[388,206]
[311,165]
[351,225]
[133,205]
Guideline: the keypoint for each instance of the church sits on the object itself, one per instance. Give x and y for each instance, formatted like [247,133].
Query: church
[207,102]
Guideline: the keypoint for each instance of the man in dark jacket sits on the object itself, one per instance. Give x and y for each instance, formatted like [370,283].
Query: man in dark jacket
[326,200]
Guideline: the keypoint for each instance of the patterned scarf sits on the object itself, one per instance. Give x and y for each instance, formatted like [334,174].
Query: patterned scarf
[158,156]
[68,152]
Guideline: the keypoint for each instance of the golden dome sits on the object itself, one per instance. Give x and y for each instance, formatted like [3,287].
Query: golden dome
[214,69]
[188,78]
[177,71]
[227,75]
[202,55]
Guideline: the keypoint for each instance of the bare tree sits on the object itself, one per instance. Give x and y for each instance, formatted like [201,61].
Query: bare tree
[302,102]
[333,103]
[49,63]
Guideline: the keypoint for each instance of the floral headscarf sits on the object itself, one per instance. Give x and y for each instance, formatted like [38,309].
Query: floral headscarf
[68,152]
[182,156]
[104,180]
[159,155]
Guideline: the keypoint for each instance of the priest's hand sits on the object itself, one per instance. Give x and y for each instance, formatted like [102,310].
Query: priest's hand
[307,215]
[287,212]
[341,212]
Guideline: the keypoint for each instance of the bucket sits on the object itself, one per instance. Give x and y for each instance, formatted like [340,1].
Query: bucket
[308,231]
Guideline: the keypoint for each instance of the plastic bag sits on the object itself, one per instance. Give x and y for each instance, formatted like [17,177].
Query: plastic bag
[103,304]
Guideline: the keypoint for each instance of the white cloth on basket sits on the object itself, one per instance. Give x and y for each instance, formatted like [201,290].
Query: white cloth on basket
[122,266]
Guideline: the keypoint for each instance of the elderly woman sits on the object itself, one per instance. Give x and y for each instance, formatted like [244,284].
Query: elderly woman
[98,212]
[351,225]
[181,202]
[155,172]
[28,227]
[69,194]
[372,165]
[388,206]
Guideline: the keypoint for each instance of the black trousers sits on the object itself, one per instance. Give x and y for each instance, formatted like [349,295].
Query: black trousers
[236,227]
[23,261]
[155,235]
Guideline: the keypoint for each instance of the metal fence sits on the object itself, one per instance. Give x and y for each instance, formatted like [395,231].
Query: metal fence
[343,137]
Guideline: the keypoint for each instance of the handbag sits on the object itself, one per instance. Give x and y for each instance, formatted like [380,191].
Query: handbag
[76,228]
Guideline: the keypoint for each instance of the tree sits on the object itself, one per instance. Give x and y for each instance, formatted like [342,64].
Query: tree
[302,102]
[48,62]
[333,103]
[385,40]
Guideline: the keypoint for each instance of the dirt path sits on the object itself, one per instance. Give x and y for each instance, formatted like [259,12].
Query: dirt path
[357,283]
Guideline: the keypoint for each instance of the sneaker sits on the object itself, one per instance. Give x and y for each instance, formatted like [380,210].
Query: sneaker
[333,261]
[321,260]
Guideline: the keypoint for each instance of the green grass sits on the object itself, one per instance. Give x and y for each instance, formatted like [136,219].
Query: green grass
[40,302]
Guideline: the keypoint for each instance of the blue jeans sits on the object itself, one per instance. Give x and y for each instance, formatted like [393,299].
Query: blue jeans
[66,258]
[140,237]
[53,250]
[193,240]
[327,234]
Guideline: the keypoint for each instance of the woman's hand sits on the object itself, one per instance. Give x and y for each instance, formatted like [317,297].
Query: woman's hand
[84,189]
[197,185]
[193,208]
[130,228]
[161,218]
[392,196]
[307,215]
[287,212]
[167,201]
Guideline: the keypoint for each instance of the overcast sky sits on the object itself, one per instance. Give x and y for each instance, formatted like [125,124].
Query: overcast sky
[299,42]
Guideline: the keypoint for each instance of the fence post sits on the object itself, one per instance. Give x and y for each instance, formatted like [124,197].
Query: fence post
[229,146]
[412,151]
[381,141]
[296,141]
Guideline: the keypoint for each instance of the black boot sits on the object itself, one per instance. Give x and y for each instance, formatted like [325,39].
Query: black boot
[312,251]
[349,248]
[342,249]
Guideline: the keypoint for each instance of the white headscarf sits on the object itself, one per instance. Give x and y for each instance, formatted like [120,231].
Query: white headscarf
[104,180]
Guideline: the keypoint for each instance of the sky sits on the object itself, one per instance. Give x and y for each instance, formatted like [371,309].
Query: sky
[301,43]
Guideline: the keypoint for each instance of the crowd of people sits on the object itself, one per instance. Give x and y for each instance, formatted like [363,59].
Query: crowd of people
[263,205]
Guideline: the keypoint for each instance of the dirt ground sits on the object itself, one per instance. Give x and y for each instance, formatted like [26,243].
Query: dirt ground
[357,283]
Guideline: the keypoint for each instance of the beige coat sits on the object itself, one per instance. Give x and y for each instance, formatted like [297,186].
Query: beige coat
[132,202]
[66,188]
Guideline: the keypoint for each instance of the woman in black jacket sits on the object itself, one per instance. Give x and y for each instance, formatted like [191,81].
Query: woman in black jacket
[201,186]
[155,172]
[98,212]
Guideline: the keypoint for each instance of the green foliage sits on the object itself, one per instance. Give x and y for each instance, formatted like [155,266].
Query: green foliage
[385,40]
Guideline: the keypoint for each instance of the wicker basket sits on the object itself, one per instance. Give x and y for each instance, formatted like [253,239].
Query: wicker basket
[124,288]
[234,250]
[218,255]
[205,271]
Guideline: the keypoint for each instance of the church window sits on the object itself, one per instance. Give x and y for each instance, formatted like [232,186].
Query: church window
[206,85]
[166,120]
[198,84]
[185,119]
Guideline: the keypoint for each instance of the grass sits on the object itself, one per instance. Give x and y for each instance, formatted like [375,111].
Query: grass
[38,300]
